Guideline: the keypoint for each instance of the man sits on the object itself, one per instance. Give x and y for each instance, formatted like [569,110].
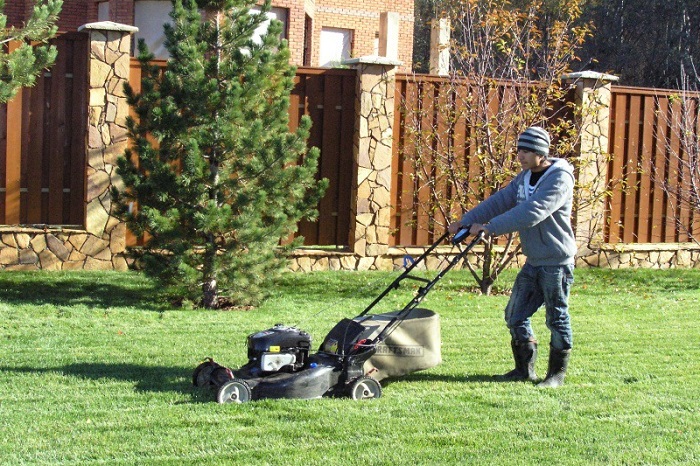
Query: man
[536,204]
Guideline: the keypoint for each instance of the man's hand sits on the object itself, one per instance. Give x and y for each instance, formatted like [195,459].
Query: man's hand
[454,227]
[474,230]
[477,227]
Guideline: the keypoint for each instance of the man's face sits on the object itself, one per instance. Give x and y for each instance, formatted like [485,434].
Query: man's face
[529,160]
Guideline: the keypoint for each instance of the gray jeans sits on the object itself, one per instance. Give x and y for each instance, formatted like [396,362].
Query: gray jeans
[534,286]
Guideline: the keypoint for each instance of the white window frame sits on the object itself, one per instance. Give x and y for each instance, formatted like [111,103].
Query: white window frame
[335,46]
[149,17]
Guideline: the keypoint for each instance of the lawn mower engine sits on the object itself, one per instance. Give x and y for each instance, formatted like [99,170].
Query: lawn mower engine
[279,349]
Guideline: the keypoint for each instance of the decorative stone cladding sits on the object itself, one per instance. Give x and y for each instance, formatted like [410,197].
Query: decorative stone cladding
[648,256]
[101,244]
[44,249]
[310,260]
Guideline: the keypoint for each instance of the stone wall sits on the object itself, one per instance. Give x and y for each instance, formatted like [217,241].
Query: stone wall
[653,256]
[44,249]
[648,256]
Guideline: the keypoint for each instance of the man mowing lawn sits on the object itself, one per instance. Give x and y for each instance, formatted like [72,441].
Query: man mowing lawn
[536,204]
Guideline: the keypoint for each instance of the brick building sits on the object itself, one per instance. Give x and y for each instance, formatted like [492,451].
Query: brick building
[320,32]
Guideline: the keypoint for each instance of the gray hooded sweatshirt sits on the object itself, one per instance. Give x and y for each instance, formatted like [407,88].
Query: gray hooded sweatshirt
[543,218]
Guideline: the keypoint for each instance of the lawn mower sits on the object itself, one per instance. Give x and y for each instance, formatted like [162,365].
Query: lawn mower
[352,359]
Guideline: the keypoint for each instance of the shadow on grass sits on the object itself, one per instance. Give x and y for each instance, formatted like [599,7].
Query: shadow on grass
[419,377]
[101,290]
[158,379]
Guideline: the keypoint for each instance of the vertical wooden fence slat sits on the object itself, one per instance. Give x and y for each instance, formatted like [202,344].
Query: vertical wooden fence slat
[27,127]
[616,167]
[659,171]
[68,131]
[629,230]
[427,140]
[459,148]
[645,222]
[474,184]
[296,100]
[57,123]
[443,147]
[296,106]
[695,221]
[3,165]
[346,164]
[672,153]
[328,207]
[688,109]
[78,178]
[314,104]
[35,152]
[13,156]
[406,189]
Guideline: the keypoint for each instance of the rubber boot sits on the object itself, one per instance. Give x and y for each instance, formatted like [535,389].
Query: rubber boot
[525,356]
[558,363]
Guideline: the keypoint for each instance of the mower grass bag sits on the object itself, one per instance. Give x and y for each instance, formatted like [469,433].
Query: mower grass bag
[413,345]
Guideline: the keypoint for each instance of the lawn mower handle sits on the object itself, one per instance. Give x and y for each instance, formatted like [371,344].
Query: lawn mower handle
[460,236]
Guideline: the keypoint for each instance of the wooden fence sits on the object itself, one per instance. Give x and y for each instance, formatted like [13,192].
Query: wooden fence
[430,118]
[42,169]
[43,155]
[328,97]
[648,148]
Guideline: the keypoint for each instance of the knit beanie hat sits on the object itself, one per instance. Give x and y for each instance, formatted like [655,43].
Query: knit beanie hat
[534,139]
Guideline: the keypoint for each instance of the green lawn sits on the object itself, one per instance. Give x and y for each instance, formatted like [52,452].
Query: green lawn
[96,369]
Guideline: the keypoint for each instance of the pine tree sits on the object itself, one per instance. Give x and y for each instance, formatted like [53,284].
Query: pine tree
[217,176]
[20,67]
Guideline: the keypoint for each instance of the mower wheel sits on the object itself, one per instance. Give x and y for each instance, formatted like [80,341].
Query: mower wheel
[201,377]
[365,388]
[234,391]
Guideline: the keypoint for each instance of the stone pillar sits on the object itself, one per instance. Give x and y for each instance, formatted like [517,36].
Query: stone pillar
[440,46]
[371,196]
[110,46]
[593,99]
[389,35]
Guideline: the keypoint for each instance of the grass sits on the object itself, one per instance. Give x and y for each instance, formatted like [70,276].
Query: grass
[96,369]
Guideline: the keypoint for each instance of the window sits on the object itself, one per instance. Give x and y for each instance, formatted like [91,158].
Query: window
[280,14]
[308,27]
[336,46]
[149,17]
[103,11]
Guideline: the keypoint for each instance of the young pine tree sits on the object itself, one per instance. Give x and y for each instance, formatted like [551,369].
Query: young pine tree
[20,67]
[216,175]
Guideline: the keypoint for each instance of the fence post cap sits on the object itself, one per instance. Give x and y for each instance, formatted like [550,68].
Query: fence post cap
[108,26]
[373,60]
[595,75]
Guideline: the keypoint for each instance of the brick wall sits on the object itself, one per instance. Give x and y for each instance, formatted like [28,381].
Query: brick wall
[16,12]
[74,13]
[361,16]
[295,31]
